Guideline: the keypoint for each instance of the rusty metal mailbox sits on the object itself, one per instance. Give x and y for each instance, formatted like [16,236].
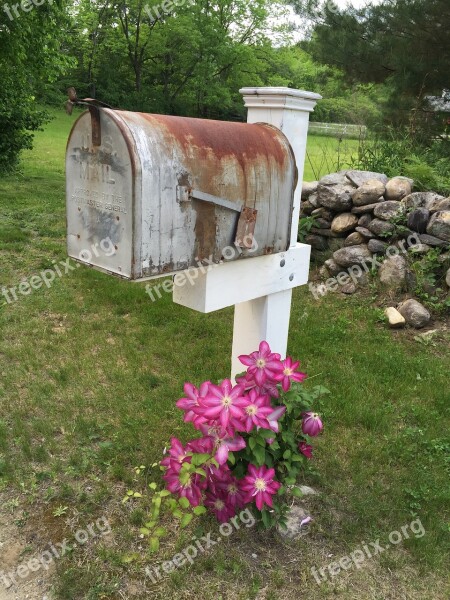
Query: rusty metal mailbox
[167,193]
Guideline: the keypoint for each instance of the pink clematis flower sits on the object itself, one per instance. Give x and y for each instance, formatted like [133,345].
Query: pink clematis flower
[256,411]
[222,442]
[192,489]
[222,403]
[274,417]
[269,388]
[311,424]
[259,485]
[219,506]
[187,404]
[305,449]
[290,374]
[262,364]
[177,453]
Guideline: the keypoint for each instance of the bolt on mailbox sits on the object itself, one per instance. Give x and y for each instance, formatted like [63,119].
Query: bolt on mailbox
[169,192]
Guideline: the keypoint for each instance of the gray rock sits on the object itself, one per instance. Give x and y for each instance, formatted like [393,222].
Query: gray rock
[420,200]
[387,210]
[397,188]
[353,255]
[431,240]
[447,278]
[336,243]
[325,232]
[439,225]
[344,222]
[364,220]
[323,212]
[395,319]
[307,491]
[420,248]
[392,272]
[380,228]
[368,193]
[296,526]
[358,178]
[444,204]
[335,179]
[308,188]
[418,219]
[354,239]
[359,210]
[414,313]
[377,246]
[335,197]
[306,208]
[322,223]
[314,201]
[332,267]
[348,288]
[316,241]
[366,233]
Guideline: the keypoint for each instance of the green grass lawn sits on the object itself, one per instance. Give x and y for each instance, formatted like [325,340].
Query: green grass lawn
[90,370]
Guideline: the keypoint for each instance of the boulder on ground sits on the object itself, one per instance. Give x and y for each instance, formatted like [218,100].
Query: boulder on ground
[395,319]
[316,241]
[418,219]
[335,179]
[332,267]
[366,233]
[358,178]
[380,227]
[364,220]
[367,208]
[397,188]
[344,222]
[387,210]
[414,313]
[439,225]
[335,197]
[353,255]
[354,239]
[447,278]
[368,193]
[420,200]
[392,272]
[377,246]
[308,188]
[431,240]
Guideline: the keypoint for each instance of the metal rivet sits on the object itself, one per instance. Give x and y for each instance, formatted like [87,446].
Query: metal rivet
[282,263]
[291,277]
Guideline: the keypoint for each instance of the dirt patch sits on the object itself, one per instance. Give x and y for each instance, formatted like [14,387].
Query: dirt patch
[17,551]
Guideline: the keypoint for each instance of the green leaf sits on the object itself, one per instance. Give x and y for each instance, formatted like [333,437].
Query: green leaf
[252,443]
[150,524]
[260,454]
[184,502]
[200,459]
[164,493]
[160,532]
[137,495]
[199,510]
[154,544]
[186,520]
[152,485]
[144,531]
[231,458]
[287,454]
[295,491]
[177,513]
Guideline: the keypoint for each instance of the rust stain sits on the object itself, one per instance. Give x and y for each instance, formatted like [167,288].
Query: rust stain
[242,141]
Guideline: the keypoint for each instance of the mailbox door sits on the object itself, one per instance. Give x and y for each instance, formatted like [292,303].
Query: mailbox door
[102,175]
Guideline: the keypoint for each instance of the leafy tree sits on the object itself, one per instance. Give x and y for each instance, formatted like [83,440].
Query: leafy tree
[403,43]
[30,59]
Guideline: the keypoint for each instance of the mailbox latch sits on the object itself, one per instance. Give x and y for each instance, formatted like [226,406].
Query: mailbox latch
[247,219]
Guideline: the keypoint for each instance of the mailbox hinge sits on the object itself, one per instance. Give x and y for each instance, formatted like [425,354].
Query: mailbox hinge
[247,219]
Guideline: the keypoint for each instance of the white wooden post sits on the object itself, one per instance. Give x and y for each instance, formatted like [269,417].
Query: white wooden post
[261,288]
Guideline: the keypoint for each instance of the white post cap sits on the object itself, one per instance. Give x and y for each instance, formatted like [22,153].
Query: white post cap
[280,97]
